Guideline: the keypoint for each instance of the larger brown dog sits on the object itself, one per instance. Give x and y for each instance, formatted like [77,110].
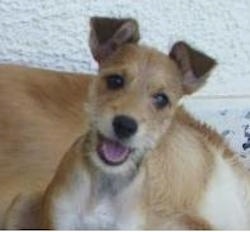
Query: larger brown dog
[144,163]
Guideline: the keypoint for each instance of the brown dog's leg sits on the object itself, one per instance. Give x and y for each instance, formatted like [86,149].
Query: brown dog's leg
[194,222]
[23,213]
[181,222]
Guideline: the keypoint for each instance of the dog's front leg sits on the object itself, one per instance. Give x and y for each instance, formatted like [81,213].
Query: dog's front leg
[182,221]
[68,195]
[191,222]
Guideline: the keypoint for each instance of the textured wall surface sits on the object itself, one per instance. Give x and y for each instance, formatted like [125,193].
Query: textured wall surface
[54,33]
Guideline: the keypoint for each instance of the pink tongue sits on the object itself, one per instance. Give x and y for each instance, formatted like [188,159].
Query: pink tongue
[112,151]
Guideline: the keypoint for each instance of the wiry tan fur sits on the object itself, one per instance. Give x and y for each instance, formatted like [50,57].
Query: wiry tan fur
[176,178]
[173,178]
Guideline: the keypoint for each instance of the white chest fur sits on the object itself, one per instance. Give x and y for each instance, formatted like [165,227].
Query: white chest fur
[87,206]
[109,215]
[102,216]
[225,202]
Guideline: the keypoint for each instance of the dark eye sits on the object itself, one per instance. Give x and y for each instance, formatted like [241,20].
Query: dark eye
[160,100]
[115,81]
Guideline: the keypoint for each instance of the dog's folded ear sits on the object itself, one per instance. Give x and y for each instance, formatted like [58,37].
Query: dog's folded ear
[108,34]
[194,65]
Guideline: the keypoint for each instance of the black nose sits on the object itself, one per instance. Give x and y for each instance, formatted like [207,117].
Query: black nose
[124,126]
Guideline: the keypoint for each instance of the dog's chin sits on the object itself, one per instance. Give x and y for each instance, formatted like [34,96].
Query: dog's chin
[113,156]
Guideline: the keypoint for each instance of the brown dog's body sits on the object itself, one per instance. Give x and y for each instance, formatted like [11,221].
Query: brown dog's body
[40,117]
[143,163]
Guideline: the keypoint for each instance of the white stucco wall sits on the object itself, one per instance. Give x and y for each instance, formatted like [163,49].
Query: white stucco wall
[54,34]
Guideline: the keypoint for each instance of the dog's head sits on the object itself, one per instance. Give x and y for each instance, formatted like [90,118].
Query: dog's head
[134,99]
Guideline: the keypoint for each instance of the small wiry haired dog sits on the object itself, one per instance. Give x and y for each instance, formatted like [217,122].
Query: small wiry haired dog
[144,162]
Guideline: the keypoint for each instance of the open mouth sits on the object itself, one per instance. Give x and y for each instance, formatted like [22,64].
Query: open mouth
[112,152]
